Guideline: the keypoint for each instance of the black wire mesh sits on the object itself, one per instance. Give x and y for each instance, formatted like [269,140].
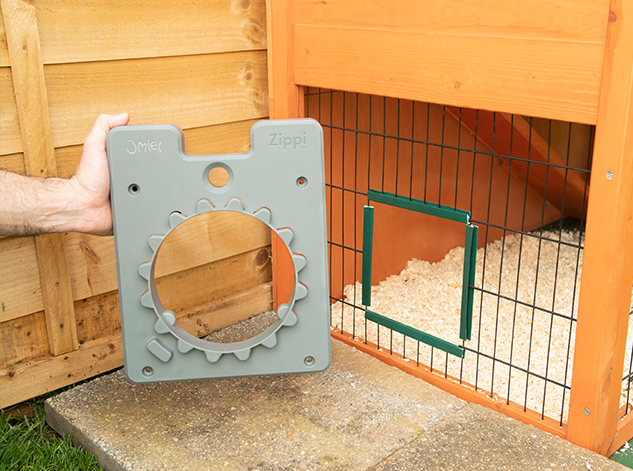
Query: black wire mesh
[530,210]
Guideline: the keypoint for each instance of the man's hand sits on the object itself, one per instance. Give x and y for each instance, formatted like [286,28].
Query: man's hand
[32,205]
[92,178]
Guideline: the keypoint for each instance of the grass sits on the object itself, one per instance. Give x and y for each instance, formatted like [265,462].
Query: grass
[624,455]
[28,443]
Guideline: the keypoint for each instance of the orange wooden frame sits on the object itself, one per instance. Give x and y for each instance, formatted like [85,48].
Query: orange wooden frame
[570,60]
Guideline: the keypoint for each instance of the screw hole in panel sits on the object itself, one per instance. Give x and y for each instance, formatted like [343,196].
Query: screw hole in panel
[148,371]
[134,189]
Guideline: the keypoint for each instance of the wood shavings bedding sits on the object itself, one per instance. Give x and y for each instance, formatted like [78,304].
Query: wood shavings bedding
[535,272]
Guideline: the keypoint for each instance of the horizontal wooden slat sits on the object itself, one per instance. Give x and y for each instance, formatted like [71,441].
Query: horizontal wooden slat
[543,78]
[20,289]
[209,237]
[581,20]
[10,141]
[98,317]
[92,260]
[239,292]
[13,163]
[22,339]
[226,311]
[75,30]
[91,264]
[67,159]
[219,139]
[191,91]
[188,289]
[39,376]
[244,288]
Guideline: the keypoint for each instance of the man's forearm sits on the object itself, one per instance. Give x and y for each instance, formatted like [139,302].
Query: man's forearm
[31,205]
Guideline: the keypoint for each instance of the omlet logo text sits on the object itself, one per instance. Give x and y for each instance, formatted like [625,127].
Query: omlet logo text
[141,147]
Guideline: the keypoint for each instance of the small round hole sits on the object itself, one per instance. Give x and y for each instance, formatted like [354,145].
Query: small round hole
[148,371]
[134,189]
[309,361]
[302,182]
[218,177]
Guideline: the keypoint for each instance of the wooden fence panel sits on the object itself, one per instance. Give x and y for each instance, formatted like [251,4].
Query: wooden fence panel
[27,72]
[200,66]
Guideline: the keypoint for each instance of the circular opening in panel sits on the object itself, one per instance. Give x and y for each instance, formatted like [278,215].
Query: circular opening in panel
[309,361]
[224,274]
[218,177]
[302,182]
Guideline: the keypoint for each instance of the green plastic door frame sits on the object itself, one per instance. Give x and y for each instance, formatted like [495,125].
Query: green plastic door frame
[470,262]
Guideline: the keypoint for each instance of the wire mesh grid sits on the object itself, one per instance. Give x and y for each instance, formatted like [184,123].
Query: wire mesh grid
[524,181]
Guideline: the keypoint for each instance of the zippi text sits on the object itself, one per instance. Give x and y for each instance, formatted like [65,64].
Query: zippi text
[279,140]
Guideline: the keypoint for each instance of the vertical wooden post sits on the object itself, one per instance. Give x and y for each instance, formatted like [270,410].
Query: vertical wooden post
[285,101]
[284,94]
[39,158]
[607,273]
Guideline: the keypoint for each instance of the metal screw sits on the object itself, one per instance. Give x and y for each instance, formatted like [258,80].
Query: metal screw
[587,412]
[609,175]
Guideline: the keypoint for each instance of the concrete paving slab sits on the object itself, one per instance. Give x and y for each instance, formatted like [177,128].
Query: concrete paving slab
[359,415]
[349,417]
[477,438]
